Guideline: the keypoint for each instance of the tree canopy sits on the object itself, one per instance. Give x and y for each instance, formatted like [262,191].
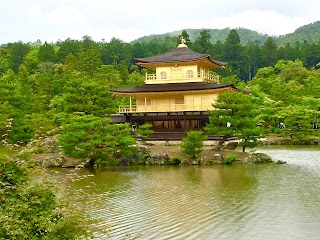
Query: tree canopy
[235,115]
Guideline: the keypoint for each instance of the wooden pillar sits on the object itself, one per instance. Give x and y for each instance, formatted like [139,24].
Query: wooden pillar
[130,104]
[145,103]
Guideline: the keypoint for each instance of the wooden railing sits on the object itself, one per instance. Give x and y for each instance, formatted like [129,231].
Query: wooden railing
[163,108]
[127,109]
[181,77]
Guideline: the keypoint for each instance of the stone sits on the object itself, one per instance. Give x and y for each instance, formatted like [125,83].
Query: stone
[158,158]
[230,146]
[281,162]
[258,158]
[124,162]
[218,157]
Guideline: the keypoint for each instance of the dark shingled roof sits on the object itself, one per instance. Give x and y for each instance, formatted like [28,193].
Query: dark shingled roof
[180,54]
[171,87]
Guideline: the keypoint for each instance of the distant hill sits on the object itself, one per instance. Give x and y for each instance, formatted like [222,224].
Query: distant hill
[216,35]
[310,32]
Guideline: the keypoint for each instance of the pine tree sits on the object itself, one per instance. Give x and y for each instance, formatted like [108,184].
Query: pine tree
[88,136]
[234,116]
[192,144]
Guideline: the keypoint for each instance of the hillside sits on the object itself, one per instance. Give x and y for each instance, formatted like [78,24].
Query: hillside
[216,35]
[309,32]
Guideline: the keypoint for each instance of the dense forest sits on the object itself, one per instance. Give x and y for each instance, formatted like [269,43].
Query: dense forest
[309,32]
[48,85]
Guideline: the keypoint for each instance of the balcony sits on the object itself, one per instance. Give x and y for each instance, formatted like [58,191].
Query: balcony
[181,77]
[163,108]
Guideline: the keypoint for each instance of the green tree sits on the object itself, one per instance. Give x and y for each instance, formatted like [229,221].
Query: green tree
[252,53]
[92,137]
[203,43]
[4,60]
[116,52]
[82,95]
[144,130]
[135,79]
[186,37]
[233,52]
[235,116]
[192,144]
[47,53]
[90,61]
[269,52]
[139,50]
[70,63]
[87,42]
[297,120]
[31,60]
[67,47]
[17,52]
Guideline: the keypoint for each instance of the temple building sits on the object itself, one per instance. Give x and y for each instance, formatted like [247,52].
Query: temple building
[178,96]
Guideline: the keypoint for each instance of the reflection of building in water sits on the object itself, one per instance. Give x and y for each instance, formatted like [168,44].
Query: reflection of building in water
[177,97]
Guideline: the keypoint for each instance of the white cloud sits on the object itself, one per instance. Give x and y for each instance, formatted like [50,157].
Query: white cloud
[127,20]
[270,21]
[66,15]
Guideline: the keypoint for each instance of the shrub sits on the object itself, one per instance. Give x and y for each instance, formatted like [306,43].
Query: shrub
[229,159]
[31,209]
[175,160]
[192,143]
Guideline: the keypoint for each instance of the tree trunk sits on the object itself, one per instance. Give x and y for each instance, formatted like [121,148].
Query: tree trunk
[244,147]
[221,142]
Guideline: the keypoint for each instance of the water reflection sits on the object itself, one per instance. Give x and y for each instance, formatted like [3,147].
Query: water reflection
[266,201]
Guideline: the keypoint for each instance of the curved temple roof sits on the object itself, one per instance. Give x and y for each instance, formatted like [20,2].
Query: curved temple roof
[171,87]
[179,54]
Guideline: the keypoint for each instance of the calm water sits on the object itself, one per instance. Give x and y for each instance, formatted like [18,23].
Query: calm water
[266,201]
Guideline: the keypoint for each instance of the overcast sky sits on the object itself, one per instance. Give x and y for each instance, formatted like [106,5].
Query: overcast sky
[51,20]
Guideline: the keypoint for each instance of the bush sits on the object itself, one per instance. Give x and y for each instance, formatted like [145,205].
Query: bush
[229,159]
[31,209]
[175,160]
[276,130]
[192,143]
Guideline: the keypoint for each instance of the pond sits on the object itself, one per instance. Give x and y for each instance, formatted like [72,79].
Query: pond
[266,201]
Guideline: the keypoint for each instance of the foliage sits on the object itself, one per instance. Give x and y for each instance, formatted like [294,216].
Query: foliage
[22,130]
[95,138]
[229,159]
[235,116]
[233,52]
[192,144]
[290,93]
[144,130]
[31,209]
[175,160]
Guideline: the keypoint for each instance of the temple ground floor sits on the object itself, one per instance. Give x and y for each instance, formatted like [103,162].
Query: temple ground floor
[169,125]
